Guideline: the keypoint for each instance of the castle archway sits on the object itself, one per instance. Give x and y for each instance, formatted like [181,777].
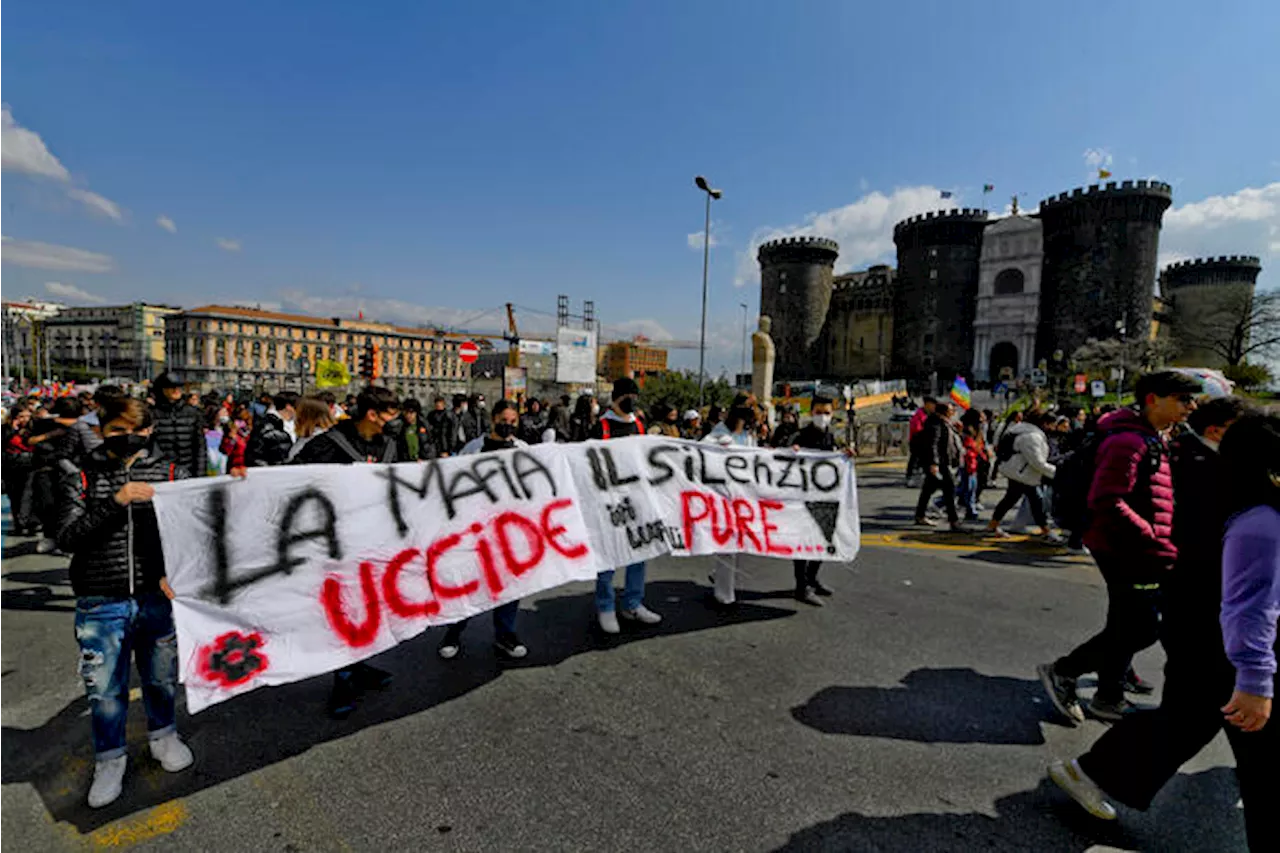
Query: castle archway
[1003,355]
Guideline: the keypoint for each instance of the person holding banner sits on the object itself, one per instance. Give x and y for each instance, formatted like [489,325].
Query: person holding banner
[621,421]
[360,438]
[502,436]
[816,436]
[738,428]
[107,522]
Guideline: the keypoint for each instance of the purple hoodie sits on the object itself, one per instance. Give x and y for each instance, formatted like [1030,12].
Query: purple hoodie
[1251,597]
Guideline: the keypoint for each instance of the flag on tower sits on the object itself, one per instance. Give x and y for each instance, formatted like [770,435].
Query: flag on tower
[946,193]
[1103,174]
[986,188]
[960,393]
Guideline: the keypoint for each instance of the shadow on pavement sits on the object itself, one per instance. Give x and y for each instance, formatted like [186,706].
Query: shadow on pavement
[272,724]
[1044,820]
[39,596]
[934,706]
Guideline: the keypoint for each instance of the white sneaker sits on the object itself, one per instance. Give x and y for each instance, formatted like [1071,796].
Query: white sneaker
[172,753]
[642,615]
[48,546]
[1068,776]
[609,622]
[1054,538]
[448,651]
[108,781]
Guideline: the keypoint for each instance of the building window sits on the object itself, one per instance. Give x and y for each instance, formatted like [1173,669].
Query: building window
[1009,282]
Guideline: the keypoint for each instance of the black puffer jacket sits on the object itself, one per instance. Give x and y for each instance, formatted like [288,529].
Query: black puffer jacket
[115,549]
[179,433]
[269,443]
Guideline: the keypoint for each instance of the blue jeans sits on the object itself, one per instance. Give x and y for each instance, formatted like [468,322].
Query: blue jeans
[108,631]
[504,622]
[632,590]
[968,493]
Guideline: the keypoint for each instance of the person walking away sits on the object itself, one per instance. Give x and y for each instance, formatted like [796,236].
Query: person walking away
[1137,756]
[557,430]
[314,417]
[501,436]
[586,411]
[620,421]
[914,426]
[816,435]
[179,428]
[935,451]
[108,524]
[273,434]
[1129,533]
[1026,465]
[737,430]
[973,451]
[439,422]
[360,439]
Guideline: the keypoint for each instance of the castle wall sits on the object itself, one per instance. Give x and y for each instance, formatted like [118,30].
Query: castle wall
[1206,299]
[795,293]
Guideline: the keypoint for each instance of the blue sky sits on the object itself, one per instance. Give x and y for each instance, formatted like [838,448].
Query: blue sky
[428,162]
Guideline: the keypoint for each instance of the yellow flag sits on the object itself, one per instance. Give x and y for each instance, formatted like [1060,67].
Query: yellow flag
[1103,174]
[330,374]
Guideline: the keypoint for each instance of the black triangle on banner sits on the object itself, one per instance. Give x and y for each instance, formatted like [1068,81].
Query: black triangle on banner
[825,514]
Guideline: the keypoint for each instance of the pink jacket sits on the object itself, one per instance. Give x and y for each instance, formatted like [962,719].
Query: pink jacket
[1131,515]
[917,422]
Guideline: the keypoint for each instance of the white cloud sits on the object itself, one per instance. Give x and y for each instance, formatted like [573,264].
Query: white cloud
[48,256]
[864,229]
[72,293]
[167,224]
[25,152]
[1097,158]
[228,245]
[97,204]
[695,240]
[1246,222]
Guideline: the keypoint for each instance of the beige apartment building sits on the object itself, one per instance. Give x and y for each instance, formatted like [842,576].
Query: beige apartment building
[124,341]
[224,346]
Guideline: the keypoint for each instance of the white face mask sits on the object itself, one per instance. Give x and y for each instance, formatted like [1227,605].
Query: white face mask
[595,408]
[822,421]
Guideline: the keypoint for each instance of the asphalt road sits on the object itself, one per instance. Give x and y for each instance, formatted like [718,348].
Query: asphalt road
[904,715]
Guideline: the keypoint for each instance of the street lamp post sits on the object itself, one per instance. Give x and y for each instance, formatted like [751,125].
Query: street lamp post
[702,184]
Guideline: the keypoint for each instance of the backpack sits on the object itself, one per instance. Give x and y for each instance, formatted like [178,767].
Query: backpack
[1075,472]
[1004,448]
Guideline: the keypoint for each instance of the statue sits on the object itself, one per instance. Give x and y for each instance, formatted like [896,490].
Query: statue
[763,355]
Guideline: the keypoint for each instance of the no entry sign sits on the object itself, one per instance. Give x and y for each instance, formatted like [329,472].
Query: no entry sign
[468,352]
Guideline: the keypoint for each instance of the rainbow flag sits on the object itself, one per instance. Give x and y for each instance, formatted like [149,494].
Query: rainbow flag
[960,393]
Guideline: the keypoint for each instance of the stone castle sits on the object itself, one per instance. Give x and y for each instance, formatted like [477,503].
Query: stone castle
[991,298]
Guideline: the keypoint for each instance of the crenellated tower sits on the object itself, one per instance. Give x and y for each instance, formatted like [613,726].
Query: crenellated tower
[1207,301]
[795,292]
[936,293]
[1100,247]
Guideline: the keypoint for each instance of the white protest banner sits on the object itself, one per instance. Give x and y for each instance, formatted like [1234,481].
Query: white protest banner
[296,571]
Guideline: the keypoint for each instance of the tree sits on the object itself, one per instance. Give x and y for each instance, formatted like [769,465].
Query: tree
[679,388]
[1248,376]
[1245,328]
[1138,356]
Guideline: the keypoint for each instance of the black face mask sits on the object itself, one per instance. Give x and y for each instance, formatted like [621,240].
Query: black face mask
[627,405]
[125,445]
[393,428]
[504,430]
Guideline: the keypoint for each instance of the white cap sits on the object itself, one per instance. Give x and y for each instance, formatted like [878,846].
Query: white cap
[692,415]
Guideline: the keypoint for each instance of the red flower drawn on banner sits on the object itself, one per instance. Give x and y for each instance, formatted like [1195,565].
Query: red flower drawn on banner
[233,658]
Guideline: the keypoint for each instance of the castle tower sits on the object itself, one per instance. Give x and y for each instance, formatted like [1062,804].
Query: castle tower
[795,291]
[1099,263]
[935,298]
[1207,300]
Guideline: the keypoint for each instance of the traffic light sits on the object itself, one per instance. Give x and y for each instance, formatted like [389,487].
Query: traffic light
[368,369]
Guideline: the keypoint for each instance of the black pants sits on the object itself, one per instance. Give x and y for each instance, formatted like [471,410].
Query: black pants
[913,462]
[1134,759]
[1017,491]
[1133,624]
[806,574]
[943,481]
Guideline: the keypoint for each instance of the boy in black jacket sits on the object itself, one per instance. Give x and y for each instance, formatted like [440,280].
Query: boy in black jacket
[816,435]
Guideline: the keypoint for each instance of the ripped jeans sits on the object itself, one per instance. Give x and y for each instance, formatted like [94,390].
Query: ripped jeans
[108,630]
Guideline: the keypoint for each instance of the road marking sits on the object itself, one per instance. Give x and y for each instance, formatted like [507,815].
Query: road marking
[1027,544]
[153,823]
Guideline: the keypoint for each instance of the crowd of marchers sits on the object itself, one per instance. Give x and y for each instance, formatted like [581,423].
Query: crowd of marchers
[1177,500]
[80,473]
